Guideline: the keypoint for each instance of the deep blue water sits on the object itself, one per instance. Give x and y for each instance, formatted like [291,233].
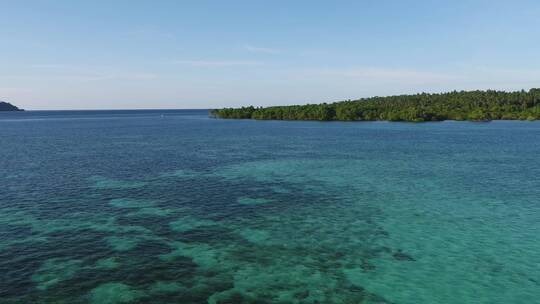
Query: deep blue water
[175,207]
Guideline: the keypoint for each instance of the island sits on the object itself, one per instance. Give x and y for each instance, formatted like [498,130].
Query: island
[6,106]
[457,105]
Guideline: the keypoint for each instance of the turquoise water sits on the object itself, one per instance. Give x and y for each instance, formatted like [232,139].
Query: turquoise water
[174,207]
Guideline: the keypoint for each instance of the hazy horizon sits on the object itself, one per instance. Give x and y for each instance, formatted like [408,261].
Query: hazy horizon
[173,109]
[62,55]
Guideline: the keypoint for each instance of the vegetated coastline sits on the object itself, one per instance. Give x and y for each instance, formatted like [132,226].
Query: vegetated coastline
[463,105]
[6,106]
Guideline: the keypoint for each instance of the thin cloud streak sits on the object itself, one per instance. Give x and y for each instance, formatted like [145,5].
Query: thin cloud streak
[83,73]
[217,63]
[387,75]
[151,33]
[51,66]
[482,77]
[264,50]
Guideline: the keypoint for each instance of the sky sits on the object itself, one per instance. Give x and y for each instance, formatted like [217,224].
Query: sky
[209,54]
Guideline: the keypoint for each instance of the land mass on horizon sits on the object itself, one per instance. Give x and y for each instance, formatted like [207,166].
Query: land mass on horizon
[6,106]
[463,105]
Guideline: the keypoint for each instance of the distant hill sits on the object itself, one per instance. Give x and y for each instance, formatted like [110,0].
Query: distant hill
[6,106]
[473,105]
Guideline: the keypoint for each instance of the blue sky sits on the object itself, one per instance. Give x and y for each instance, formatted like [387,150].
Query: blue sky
[206,54]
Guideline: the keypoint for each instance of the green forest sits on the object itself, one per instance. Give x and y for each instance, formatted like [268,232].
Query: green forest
[456,105]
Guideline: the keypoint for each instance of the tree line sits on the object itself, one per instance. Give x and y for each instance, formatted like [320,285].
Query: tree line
[457,105]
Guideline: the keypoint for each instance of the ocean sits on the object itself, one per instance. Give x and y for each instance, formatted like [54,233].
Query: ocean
[171,206]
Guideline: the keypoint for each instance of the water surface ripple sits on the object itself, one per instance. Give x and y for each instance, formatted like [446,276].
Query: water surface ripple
[174,207]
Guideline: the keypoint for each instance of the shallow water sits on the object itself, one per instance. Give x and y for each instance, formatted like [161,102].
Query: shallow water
[174,207]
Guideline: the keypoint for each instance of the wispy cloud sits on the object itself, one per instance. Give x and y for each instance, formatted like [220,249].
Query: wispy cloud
[371,81]
[87,73]
[265,50]
[217,63]
[151,33]
[388,75]
[50,66]
[11,90]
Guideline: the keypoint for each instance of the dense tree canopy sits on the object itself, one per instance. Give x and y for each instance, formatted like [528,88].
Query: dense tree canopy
[463,105]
